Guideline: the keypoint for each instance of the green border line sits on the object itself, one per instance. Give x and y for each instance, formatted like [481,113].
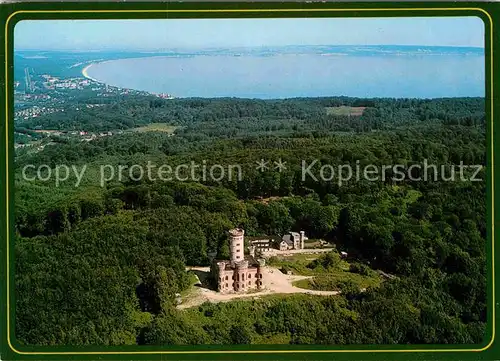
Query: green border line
[295,10]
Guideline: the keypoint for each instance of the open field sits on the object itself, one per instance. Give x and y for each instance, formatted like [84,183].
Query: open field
[326,272]
[158,127]
[312,243]
[46,131]
[337,280]
[297,262]
[345,110]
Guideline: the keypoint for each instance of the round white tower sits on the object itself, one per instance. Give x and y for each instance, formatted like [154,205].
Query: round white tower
[236,244]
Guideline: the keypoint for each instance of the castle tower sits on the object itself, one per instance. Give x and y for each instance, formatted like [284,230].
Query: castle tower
[241,276]
[219,276]
[302,235]
[236,244]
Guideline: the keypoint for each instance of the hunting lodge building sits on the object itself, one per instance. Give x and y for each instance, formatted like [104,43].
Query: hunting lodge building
[241,273]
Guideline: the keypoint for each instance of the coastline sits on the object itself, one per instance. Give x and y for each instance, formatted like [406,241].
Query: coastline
[87,67]
[86,75]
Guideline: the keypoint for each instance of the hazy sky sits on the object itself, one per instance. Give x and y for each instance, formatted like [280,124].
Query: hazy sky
[191,33]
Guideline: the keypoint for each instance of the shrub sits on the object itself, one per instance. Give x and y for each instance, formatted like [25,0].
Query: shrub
[361,269]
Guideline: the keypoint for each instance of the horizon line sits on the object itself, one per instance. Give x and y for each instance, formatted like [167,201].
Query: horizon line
[245,47]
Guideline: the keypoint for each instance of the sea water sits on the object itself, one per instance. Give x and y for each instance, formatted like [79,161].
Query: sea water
[383,71]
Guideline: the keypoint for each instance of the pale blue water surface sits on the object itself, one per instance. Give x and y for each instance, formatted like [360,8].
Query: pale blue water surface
[370,71]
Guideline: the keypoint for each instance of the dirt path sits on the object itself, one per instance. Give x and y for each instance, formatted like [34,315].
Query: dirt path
[275,252]
[274,282]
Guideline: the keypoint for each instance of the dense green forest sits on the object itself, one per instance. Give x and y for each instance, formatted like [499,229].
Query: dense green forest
[102,265]
[218,117]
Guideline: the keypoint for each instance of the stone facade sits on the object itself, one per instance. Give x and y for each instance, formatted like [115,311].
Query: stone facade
[292,240]
[240,273]
[260,246]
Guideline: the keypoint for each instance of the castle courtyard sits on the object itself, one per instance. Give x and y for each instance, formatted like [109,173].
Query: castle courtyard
[274,282]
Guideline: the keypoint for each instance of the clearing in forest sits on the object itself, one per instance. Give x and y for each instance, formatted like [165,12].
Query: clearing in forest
[158,127]
[320,275]
[345,110]
[275,282]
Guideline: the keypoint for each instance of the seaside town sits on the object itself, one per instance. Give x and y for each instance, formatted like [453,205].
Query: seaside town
[38,94]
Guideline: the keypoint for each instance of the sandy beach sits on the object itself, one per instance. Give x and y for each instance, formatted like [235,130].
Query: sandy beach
[86,75]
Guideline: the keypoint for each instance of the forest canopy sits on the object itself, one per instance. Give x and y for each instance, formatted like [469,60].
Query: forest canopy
[102,265]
